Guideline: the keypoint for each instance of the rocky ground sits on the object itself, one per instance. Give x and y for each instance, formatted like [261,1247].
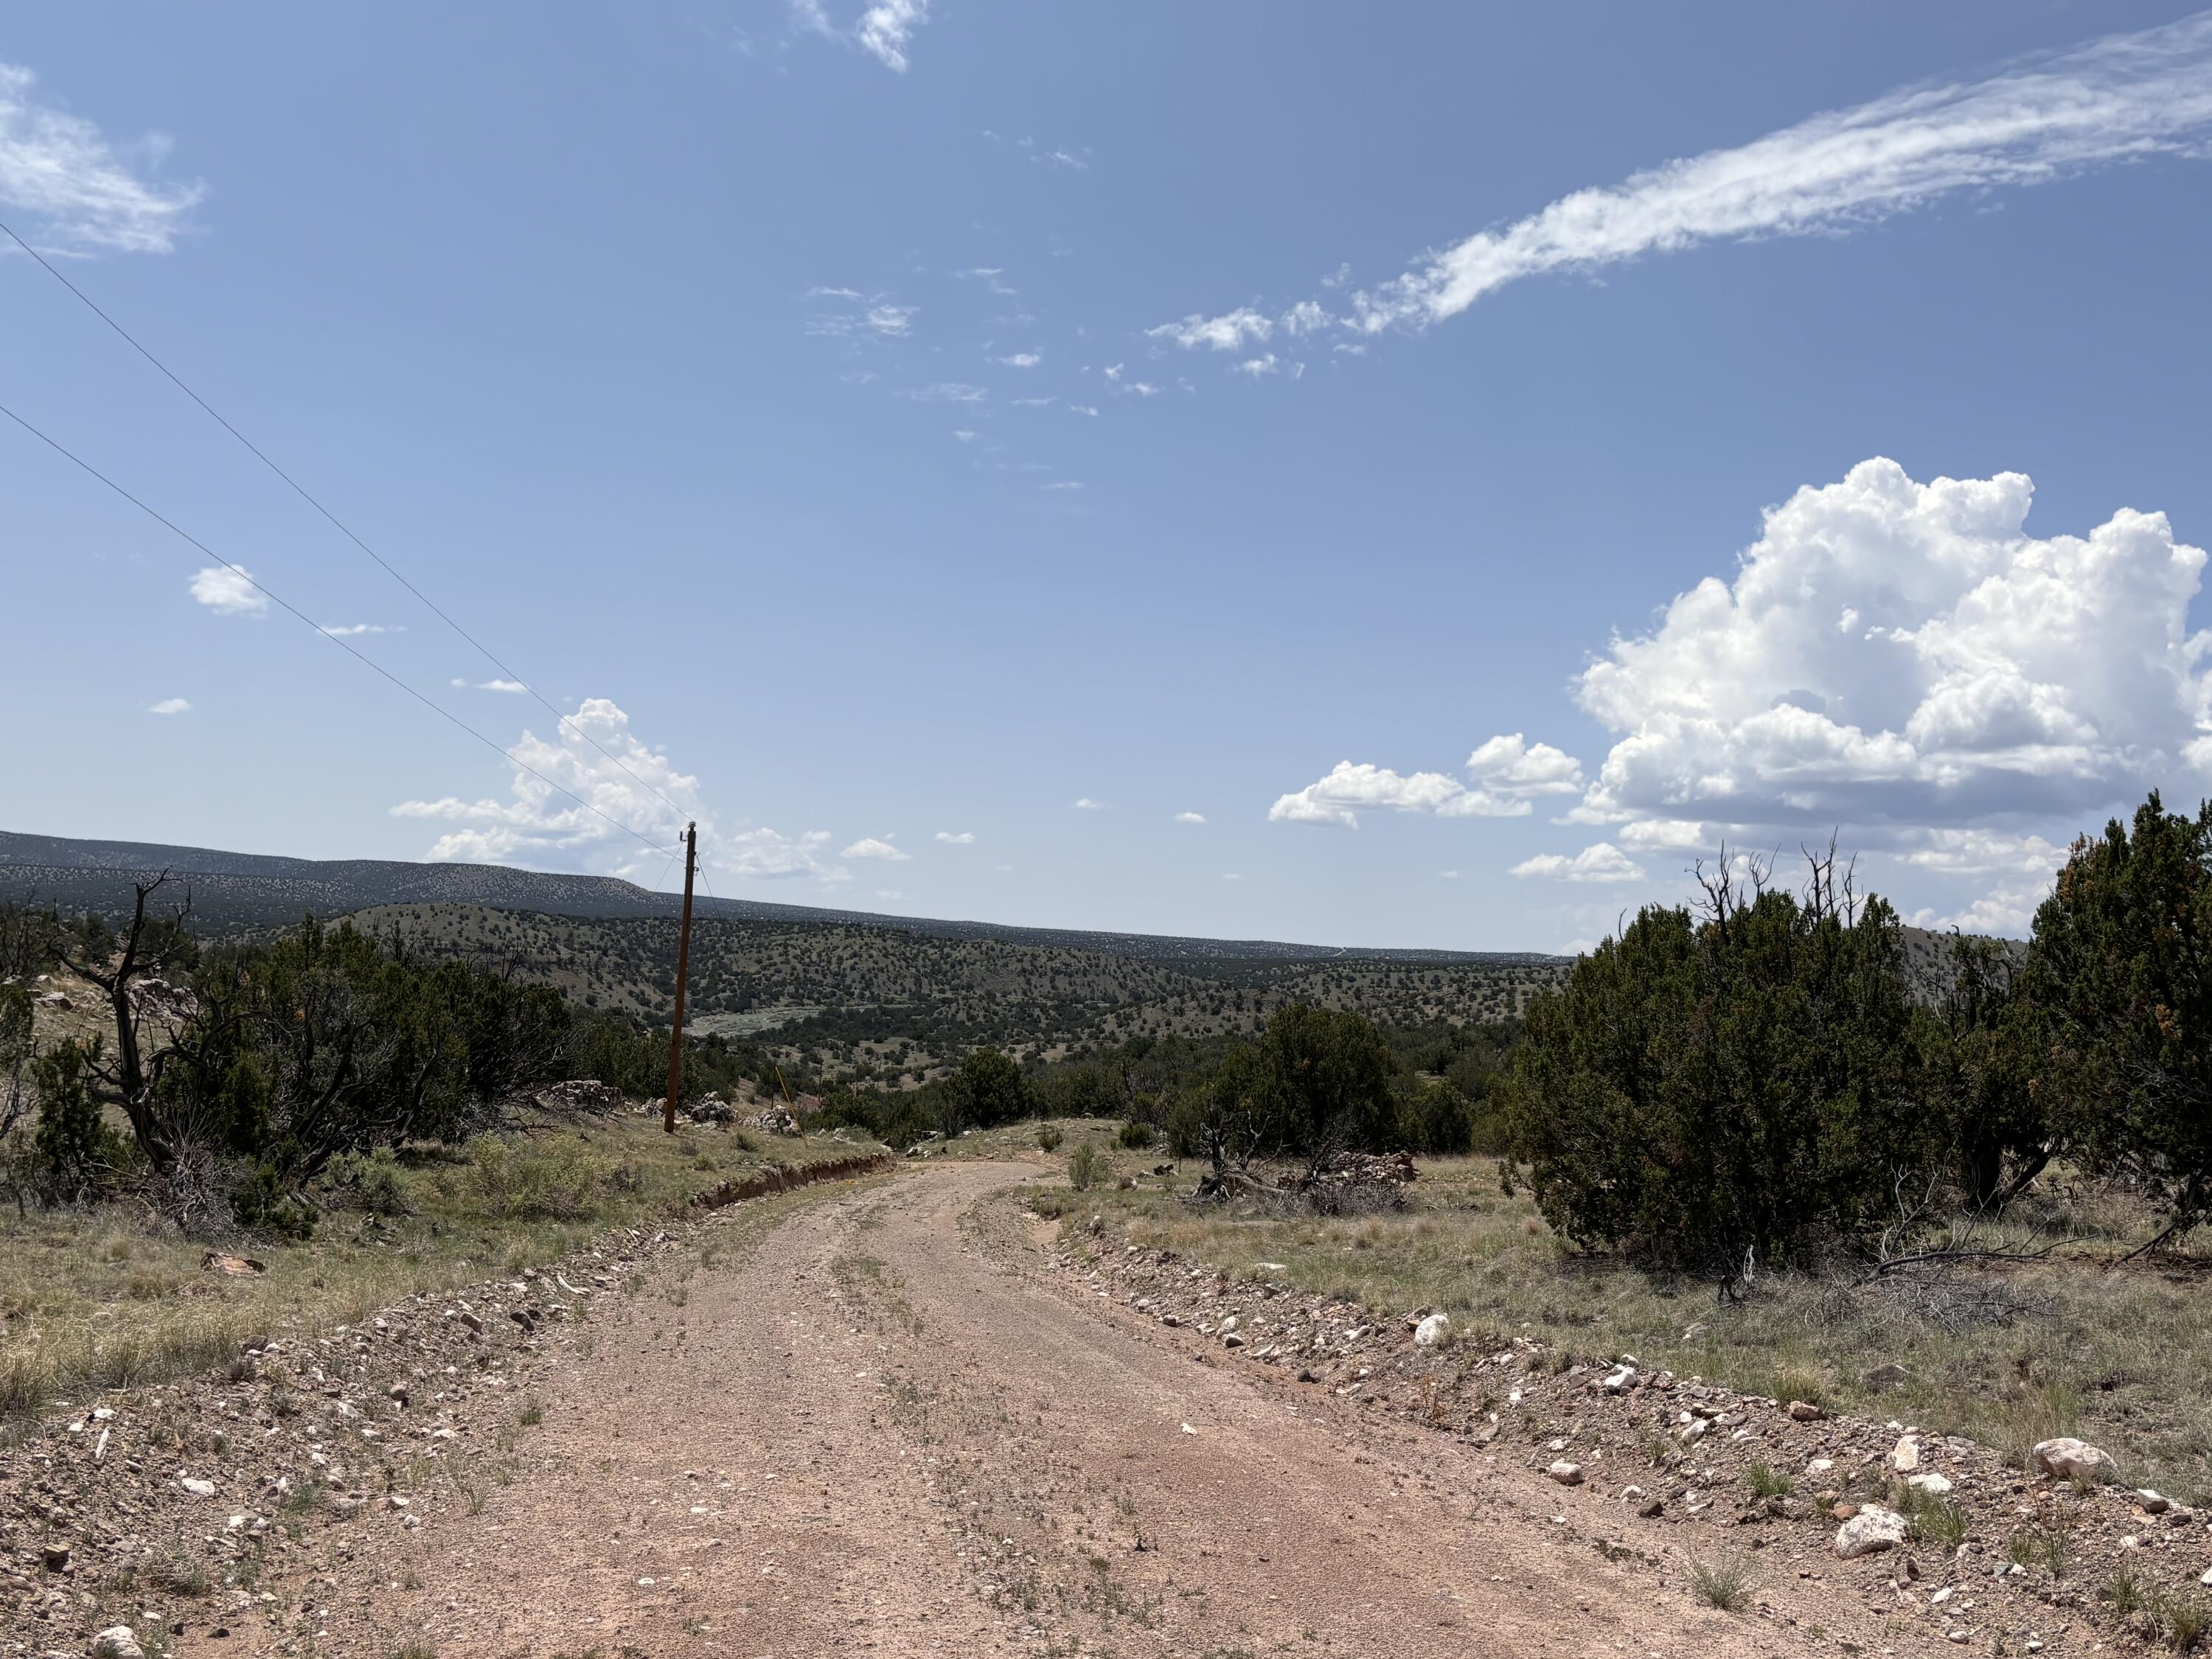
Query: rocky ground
[906,1417]
[2061,1557]
[229,1508]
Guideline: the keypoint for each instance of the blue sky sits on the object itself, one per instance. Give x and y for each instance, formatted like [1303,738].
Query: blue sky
[1473,460]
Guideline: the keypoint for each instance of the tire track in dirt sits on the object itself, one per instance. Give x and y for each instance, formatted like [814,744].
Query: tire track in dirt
[880,1432]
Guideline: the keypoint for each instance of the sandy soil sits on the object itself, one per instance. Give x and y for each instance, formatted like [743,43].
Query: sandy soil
[888,1430]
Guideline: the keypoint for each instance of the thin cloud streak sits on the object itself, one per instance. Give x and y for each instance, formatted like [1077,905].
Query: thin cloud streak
[2123,98]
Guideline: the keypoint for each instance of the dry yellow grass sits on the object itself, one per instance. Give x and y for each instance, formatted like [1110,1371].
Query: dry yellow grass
[113,1297]
[2119,1357]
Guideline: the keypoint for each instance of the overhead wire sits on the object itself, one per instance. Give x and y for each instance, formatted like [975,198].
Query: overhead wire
[262,588]
[301,491]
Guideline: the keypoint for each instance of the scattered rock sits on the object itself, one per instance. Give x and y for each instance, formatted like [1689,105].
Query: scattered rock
[2151,1503]
[1871,1529]
[583,1095]
[56,1557]
[1619,1380]
[1905,1457]
[1927,1480]
[197,1488]
[1888,1375]
[1566,1473]
[1431,1331]
[1806,1412]
[237,1267]
[116,1642]
[2069,1459]
[778,1121]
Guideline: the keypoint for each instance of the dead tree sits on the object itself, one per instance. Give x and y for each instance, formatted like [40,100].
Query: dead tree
[153,944]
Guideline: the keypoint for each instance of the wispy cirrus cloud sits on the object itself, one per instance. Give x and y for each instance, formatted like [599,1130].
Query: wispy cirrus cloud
[2122,98]
[81,195]
[865,316]
[883,31]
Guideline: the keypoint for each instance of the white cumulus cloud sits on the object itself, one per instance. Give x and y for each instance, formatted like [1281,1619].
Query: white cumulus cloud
[963,838]
[170,706]
[1507,772]
[1907,657]
[1600,861]
[871,847]
[536,820]
[1511,765]
[228,590]
[1190,818]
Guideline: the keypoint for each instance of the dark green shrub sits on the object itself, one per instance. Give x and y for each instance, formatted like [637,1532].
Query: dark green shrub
[1719,1095]
[75,1155]
[1186,1124]
[1135,1133]
[264,1203]
[2120,969]
[1435,1118]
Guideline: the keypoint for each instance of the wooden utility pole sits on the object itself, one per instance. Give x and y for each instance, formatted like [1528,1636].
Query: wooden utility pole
[682,971]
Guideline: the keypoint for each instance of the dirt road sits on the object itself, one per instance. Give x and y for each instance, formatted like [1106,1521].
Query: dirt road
[889,1429]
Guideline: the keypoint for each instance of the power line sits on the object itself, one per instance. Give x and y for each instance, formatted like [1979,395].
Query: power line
[262,588]
[301,491]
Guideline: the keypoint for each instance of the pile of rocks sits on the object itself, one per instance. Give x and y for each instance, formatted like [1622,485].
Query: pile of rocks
[1360,1169]
[711,1107]
[582,1094]
[162,1000]
[777,1119]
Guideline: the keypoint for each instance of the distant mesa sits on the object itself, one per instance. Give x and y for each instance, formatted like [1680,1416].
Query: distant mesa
[238,891]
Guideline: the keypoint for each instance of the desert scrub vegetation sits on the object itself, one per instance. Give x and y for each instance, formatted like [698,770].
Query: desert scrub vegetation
[110,1294]
[2009,1354]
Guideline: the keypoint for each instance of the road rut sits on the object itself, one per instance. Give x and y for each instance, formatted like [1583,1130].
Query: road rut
[891,1428]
